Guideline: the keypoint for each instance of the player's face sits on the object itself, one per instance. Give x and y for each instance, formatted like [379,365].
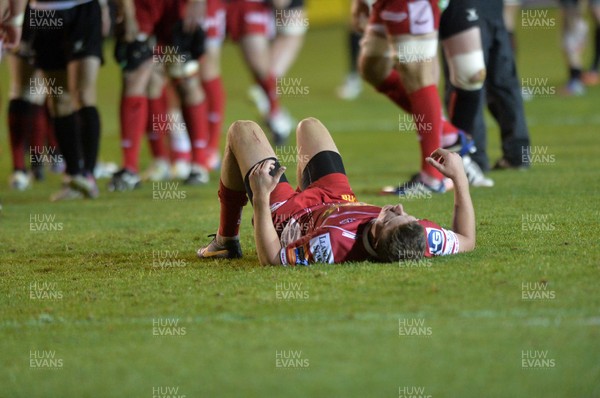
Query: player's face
[390,218]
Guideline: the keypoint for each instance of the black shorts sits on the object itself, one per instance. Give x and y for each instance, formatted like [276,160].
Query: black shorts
[295,4]
[460,15]
[62,36]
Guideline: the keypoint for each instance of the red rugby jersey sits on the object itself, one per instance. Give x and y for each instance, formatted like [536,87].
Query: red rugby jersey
[334,233]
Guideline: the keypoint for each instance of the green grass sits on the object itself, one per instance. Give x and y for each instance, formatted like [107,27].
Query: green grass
[347,324]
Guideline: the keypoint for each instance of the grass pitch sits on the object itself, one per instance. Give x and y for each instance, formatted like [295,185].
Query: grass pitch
[113,303]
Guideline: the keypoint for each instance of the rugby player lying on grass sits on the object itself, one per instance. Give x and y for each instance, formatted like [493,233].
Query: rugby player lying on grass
[322,221]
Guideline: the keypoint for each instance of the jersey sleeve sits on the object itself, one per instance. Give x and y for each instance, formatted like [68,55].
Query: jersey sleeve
[313,248]
[440,241]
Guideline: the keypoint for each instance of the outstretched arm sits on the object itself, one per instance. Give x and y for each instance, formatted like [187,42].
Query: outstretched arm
[450,164]
[263,183]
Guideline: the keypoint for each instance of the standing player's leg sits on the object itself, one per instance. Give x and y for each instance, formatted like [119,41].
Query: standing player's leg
[574,35]
[212,83]
[291,25]
[417,58]
[83,75]
[592,76]
[133,114]
[251,24]
[156,128]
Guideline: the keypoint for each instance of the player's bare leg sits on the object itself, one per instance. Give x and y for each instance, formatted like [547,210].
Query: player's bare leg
[592,76]
[26,115]
[246,145]
[82,83]
[256,51]
[210,71]
[289,40]
[574,37]
[312,137]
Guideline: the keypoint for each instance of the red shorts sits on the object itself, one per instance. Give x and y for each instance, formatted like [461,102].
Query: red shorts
[405,17]
[245,17]
[158,17]
[214,24]
[286,202]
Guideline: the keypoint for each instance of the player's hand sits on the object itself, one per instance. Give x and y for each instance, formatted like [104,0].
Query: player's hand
[131,28]
[360,15]
[262,182]
[11,36]
[448,163]
[194,16]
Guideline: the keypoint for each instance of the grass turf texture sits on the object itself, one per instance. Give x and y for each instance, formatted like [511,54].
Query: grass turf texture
[346,325]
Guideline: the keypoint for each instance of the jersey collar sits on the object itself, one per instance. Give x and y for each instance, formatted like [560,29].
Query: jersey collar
[365,240]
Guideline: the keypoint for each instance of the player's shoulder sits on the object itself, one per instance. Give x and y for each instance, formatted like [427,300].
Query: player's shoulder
[439,241]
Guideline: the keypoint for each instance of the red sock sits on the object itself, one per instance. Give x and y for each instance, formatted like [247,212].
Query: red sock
[215,96]
[448,127]
[269,85]
[393,88]
[39,125]
[196,121]
[427,115]
[232,204]
[157,121]
[134,115]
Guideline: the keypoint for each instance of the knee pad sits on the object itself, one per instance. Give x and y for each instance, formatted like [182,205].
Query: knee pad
[467,71]
[574,39]
[373,45]
[414,50]
[190,47]
[131,55]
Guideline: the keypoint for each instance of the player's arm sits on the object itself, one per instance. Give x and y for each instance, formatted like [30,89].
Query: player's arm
[263,183]
[450,164]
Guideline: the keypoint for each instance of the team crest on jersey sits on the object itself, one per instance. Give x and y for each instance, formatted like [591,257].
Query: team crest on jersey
[320,247]
[435,241]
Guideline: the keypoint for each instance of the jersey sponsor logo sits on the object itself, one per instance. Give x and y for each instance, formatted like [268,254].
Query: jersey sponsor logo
[472,14]
[347,221]
[320,247]
[349,198]
[394,16]
[435,241]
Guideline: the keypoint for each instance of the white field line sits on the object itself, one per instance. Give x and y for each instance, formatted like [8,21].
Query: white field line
[512,317]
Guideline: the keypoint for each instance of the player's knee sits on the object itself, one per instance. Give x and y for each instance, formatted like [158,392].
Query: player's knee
[241,129]
[467,71]
[308,124]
